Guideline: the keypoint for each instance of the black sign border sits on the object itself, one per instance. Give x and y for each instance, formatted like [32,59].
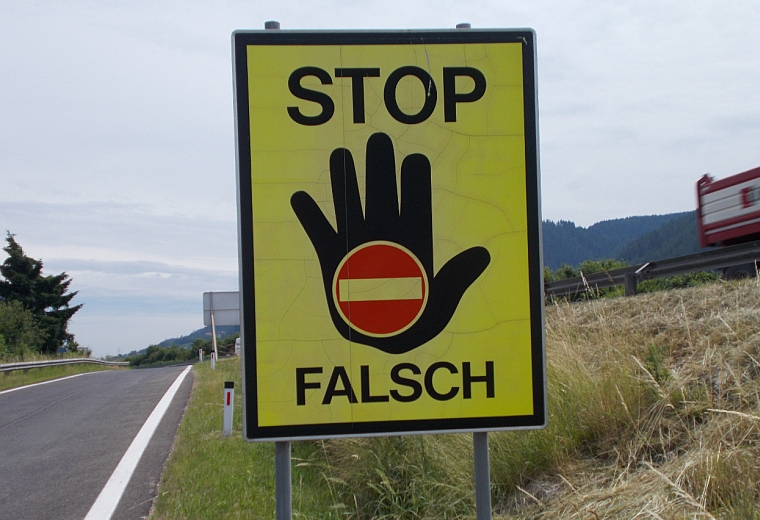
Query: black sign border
[251,430]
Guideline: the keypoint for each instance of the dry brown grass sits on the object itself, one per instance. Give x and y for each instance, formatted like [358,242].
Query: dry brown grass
[670,418]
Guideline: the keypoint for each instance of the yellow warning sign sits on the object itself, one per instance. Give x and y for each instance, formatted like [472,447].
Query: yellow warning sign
[390,245]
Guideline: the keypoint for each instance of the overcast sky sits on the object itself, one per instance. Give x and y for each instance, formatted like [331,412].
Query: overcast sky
[117,160]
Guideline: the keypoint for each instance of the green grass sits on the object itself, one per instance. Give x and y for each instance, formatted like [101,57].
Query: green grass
[208,476]
[38,375]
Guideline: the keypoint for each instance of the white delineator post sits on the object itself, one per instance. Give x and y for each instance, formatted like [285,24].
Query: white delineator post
[229,402]
[200,355]
[213,360]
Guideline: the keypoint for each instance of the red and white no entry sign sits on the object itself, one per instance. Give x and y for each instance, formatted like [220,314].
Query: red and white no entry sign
[380,288]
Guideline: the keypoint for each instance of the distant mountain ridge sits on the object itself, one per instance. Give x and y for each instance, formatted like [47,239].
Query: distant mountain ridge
[566,243]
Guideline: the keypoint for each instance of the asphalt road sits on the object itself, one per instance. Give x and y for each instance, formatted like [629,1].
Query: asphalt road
[60,442]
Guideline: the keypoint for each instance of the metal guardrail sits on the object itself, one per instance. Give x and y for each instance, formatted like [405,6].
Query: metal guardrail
[26,365]
[631,276]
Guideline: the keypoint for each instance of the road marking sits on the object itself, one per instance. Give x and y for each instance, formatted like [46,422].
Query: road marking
[109,497]
[51,381]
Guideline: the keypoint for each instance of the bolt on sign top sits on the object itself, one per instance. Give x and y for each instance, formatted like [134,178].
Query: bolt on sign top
[390,246]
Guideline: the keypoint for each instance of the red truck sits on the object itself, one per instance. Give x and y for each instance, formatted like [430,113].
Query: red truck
[728,210]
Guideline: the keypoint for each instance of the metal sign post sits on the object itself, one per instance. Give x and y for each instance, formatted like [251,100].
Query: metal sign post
[213,328]
[482,475]
[283,481]
[213,336]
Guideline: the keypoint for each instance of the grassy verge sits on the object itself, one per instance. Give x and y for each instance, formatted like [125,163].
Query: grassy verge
[212,477]
[38,375]
[654,411]
[206,473]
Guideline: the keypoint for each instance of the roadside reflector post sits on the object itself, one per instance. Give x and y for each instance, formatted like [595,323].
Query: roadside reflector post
[229,403]
[282,480]
[200,355]
[482,476]
[213,360]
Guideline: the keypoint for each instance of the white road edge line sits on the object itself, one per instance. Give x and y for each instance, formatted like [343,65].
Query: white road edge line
[51,381]
[109,497]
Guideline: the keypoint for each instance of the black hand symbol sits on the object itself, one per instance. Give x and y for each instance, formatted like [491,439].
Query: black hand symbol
[412,228]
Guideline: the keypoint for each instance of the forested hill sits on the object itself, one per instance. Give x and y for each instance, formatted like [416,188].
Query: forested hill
[205,333]
[566,243]
[675,238]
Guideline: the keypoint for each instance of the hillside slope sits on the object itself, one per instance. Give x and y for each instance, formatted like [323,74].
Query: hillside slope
[205,333]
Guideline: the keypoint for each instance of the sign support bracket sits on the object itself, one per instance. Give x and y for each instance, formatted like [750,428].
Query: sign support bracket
[482,476]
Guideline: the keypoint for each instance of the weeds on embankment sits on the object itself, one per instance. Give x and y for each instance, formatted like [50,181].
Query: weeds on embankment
[654,411]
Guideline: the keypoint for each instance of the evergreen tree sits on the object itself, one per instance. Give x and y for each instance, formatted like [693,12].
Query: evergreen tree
[45,297]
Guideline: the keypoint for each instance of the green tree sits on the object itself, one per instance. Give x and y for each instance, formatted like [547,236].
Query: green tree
[565,271]
[226,345]
[45,297]
[201,343]
[597,266]
[586,268]
[158,355]
[20,334]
